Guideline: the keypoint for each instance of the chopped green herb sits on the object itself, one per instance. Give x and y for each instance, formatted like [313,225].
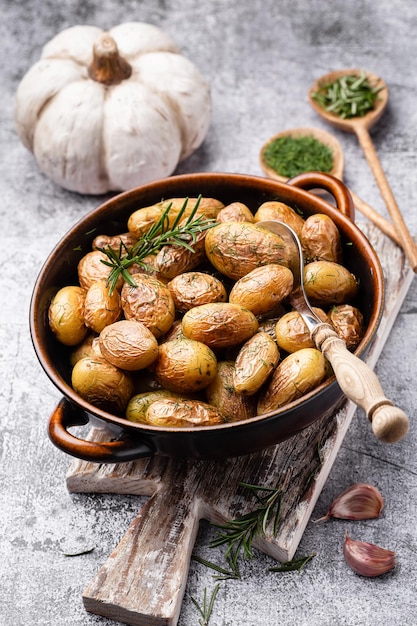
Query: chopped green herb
[348,96]
[289,155]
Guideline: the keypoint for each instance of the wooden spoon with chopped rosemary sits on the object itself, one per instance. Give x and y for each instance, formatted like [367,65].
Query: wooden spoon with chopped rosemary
[353,100]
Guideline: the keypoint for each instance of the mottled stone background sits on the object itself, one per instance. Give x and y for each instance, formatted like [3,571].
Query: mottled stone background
[261,58]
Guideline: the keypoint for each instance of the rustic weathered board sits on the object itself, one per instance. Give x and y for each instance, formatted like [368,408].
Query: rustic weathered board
[143,580]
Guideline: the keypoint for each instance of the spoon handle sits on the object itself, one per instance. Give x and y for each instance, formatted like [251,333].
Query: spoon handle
[361,385]
[407,241]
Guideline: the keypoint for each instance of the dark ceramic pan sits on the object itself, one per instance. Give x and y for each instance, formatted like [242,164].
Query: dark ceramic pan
[128,440]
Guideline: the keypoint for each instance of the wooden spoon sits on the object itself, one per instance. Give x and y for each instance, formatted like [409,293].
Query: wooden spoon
[360,126]
[338,165]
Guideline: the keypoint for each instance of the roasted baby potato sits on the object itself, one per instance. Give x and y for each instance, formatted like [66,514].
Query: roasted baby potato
[257,358]
[292,333]
[194,289]
[139,403]
[122,242]
[320,239]
[100,306]
[185,365]
[102,384]
[349,324]
[328,283]
[128,344]
[295,376]
[173,260]
[219,324]
[150,302]
[91,268]
[221,394]
[177,413]
[237,248]
[66,317]
[235,212]
[278,211]
[263,289]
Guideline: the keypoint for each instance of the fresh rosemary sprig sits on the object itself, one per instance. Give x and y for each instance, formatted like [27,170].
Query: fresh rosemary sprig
[159,235]
[207,608]
[238,535]
[294,565]
[348,96]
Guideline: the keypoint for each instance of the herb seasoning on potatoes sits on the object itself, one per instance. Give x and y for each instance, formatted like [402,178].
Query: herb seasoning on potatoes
[195,297]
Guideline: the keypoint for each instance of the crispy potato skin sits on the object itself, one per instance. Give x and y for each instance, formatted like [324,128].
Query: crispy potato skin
[320,239]
[219,324]
[349,324]
[328,283]
[185,365]
[281,212]
[128,344]
[221,393]
[297,374]
[235,212]
[263,289]
[66,315]
[139,403]
[102,384]
[257,358]
[237,248]
[178,413]
[150,302]
[101,308]
[192,289]
[292,333]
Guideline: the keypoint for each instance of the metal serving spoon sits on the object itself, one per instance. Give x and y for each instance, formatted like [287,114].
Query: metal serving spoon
[356,379]
[360,126]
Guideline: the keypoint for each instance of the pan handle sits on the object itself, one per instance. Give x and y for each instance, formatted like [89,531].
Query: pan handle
[67,415]
[337,189]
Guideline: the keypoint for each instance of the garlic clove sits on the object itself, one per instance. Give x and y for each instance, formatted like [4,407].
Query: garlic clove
[367,559]
[358,502]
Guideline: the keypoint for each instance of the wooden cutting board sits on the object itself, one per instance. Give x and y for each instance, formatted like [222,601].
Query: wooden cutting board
[142,583]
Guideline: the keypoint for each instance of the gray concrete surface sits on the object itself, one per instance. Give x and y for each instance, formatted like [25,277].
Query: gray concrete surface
[260,58]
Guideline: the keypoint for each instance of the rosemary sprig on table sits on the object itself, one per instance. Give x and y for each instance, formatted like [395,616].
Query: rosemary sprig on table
[348,96]
[207,608]
[159,235]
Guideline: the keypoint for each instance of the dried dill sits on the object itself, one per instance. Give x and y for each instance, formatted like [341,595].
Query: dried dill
[348,96]
[289,155]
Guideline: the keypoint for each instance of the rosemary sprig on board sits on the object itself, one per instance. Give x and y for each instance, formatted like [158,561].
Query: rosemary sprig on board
[159,235]
[348,96]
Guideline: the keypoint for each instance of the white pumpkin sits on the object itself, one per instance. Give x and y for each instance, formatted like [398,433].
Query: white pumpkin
[109,111]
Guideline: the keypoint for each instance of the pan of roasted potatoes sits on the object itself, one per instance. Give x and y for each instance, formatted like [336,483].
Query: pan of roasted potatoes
[163,316]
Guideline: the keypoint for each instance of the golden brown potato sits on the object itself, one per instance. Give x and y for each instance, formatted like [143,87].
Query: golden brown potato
[320,239]
[147,266]
[235,212]
[237,248]
[257,358]
[150,302]
[173,260]
[100,307]
[328,283]
[128,344]
[278,211]
[221,394]
[291,332]
[91,268]
[219,324]
[103,385]
[185,365]
[141,220]
[65,314]
[122,242]
[349,324]
[89,347]
[263,289]
[194,289]
[139,403]
[295,376]
[177,413]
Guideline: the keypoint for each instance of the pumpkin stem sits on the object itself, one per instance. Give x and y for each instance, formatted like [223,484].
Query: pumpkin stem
[107,66]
